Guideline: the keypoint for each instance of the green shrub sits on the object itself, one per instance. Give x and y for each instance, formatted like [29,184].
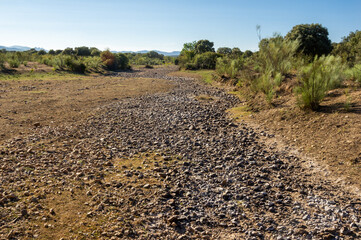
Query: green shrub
[114,61]
[349,49]
[273,61]
[75,66]
[228,68]
[354,73]
[93,63]
[190,66]
[276,55]
[14,63]
[206,60]
[82,51]
[320,76]
[2,61]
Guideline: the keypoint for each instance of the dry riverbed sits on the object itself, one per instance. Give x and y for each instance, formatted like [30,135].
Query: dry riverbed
[165,165]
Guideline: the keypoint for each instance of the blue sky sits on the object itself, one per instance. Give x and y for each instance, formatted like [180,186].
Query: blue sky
[165,24]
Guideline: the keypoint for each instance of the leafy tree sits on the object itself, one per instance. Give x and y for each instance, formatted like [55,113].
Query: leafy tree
[114,61]
[68,51]
[247,54]
[236,52]
[206,60]
[51,52]
[95,52]
[57,52]
[224,50]
[82,51]
[154,54]
[122,61]
[32,50]
[350,48]
[191,46]
[187,54]
[313,39]
[42,52]
[203,46]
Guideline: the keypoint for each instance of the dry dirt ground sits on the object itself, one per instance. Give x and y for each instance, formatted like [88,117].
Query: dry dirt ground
[150,155]
[331,136]
[29,101]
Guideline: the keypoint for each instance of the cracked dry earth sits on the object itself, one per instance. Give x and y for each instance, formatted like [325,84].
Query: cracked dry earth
[165,166]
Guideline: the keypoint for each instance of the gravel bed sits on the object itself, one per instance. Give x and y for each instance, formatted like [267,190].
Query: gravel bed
[215,179]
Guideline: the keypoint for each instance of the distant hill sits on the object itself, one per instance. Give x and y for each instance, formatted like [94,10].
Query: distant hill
[19,48]
[174,53]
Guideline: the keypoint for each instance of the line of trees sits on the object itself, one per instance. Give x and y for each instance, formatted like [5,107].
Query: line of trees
[82,59]
[306,51]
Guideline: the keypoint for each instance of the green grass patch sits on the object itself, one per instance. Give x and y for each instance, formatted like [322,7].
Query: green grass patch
[239,112]
[206,76]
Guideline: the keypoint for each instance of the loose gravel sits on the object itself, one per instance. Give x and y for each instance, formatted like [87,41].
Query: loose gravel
[200,175]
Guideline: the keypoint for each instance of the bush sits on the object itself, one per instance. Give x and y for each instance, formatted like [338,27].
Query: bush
[190,66]
[206,60]
[76,66]
[2,61]
[354,73]
[320,76]
[228,68]
[82,51]
[93,63]
[266,83]
[276,55]
[114,61]
[275,59]
[14,63]
[350,48]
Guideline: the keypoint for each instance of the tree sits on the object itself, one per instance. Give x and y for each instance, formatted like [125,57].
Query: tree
[313,39]
[122,61]
[350,48]
[191,46]
[68,51]
[57,52]
[114,61]
[236,52]
[108,58]
[42,52]
[32,50]
[51,52]
[247,54]
[206,60]
[82,51]
[95,52]
[187,54]
[224,50]
[203,46]
[154,54]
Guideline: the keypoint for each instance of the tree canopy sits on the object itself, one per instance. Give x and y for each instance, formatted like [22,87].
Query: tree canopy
[313,39]
[350,48]
[224,50]
[203,46]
